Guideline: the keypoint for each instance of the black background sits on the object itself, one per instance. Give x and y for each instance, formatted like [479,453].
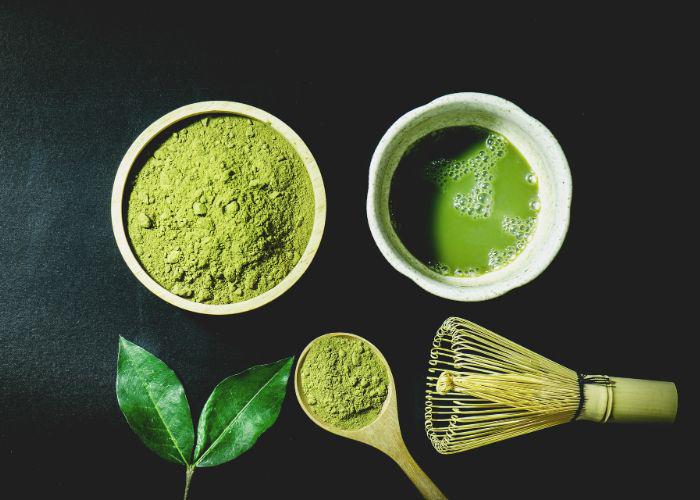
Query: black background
[78,84]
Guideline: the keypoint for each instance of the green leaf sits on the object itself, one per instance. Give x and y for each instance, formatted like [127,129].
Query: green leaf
[154,403]
[240,409]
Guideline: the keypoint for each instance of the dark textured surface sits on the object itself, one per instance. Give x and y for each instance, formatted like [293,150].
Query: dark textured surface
[78,85]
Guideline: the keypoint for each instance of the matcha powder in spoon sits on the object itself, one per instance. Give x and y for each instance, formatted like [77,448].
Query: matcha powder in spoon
[222,211]
[344,381]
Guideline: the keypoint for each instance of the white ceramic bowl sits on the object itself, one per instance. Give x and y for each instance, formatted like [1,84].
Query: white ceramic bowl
[530,137]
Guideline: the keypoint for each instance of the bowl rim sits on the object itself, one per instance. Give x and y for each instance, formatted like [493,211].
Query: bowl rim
[204,108]
[464,289]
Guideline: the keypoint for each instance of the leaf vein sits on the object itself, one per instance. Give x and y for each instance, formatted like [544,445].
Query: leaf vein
[170,435]
[228,427]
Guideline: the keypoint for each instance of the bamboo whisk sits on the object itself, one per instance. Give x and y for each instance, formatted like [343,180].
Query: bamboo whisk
[483,388]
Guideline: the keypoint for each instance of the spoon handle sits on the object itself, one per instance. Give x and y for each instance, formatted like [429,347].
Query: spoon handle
[419,478]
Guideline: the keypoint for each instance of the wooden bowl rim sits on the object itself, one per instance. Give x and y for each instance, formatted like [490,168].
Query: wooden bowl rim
[217,107]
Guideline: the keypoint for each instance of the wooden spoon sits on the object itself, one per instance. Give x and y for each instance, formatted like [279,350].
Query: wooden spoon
[383,432]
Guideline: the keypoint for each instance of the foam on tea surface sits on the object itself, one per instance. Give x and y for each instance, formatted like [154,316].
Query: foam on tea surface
[464,201]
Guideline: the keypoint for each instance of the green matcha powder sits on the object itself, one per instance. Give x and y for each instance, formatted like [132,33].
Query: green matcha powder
[344,382]
[222,211]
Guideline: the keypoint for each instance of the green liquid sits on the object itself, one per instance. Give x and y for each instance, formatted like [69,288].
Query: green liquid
[464,201]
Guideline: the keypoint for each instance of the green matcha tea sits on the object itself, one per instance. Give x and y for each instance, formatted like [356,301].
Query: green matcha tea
[464,201]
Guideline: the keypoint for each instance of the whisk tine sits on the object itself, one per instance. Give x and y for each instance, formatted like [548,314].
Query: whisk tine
[483,388]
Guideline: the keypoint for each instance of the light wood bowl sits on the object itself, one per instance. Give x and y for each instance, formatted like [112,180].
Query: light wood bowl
[204,108]
[383,433]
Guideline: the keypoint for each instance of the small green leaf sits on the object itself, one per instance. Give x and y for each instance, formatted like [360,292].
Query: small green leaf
[154,403]
[240,409]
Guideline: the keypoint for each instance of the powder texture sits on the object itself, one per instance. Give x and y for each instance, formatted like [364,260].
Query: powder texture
[222,211]
[344,382]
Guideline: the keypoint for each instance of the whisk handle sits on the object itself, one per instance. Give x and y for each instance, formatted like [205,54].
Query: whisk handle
[630,400]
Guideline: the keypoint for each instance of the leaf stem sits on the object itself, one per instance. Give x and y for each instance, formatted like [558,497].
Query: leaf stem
[189,471]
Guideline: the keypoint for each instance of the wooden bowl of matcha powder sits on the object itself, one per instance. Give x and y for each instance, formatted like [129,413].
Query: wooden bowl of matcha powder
[218,207]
